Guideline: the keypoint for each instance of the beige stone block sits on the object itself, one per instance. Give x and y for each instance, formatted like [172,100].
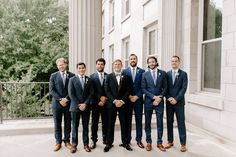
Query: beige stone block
[231,26]
[230,92]
[229,106]
[228,41]
[228,7]
[227,75]
[231,58]
[228,119]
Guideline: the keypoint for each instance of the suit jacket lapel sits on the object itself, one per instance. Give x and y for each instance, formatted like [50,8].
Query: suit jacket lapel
[151,78]
[115,81]
[79,83]
[177,76]
[59,78]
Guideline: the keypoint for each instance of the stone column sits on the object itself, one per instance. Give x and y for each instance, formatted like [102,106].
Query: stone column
[168,24]
[85,26]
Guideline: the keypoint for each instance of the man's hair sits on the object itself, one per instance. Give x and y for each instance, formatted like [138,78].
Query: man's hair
[117,60]
[153,57]
[176,57]
[61,60]
[101,60]
[133,55]
[80,63]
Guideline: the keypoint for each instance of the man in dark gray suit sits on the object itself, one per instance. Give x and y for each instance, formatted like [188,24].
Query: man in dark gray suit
[117,87]
[99,101]
[177,85]
[80,91]
[58,86]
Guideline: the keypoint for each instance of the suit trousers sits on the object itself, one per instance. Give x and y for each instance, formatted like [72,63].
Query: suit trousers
[180,116]
[96,112]
[75,115]
[159,122]
[57,117]
[112,114]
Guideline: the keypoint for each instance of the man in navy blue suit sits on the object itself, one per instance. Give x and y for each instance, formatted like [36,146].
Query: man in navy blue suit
[80,91]
[58,85]
[177,85]
[154,86]
[99,101]
[135,99]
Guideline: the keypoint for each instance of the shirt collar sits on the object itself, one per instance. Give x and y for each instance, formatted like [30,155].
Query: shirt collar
[175,70]
[154,70]
[81,76]
[63,72]
[135,68]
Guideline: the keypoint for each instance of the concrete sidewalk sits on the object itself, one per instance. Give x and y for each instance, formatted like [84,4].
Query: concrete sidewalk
[34,138]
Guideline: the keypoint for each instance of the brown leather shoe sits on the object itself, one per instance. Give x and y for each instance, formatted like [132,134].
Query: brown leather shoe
[149,147]
[87,149]
[183,148]
[169,145]
[68,145]
[73,149]
[140,144]
[161,147]
[57,147]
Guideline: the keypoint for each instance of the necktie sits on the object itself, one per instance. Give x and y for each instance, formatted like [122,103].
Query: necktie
[101,78]
[133,74]
[154,77]
[173,76]
[64,78]
[82,82]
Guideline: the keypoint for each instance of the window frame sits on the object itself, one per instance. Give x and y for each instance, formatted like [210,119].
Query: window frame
[201,52]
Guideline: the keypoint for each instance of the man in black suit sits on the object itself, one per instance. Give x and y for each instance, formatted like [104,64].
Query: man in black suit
[80,91]
[177,81]
[117,88]
[99,100]
[58,85]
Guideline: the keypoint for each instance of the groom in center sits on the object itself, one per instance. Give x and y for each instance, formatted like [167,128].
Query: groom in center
[117,88]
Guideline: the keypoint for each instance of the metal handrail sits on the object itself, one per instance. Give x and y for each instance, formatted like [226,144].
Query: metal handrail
[21,100]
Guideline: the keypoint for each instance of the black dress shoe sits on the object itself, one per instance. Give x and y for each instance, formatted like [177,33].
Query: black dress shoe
[93,145]
[127,146]
[107,148]
[140,144]
[122,145]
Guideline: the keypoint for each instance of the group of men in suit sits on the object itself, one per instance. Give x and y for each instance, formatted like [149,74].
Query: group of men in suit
[121,92]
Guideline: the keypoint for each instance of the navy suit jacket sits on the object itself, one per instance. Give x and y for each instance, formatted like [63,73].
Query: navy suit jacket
[178,89]
[115,91]
[150,89]
[77,94]
[137,81]
[57,88]
[99,90]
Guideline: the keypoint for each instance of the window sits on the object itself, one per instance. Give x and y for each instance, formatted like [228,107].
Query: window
[111,56]
[151,42]
[125,7]
[112,17]
[211,45]
[126,50]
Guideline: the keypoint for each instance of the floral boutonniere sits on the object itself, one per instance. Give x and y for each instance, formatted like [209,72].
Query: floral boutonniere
[177,75]
[159,74]
[137,70]
[86,80]
[67,75]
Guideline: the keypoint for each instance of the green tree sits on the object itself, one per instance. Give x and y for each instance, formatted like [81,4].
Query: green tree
[33,33]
